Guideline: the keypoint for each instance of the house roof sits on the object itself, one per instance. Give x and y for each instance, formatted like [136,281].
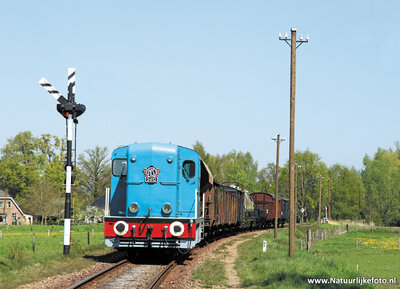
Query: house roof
[5,196]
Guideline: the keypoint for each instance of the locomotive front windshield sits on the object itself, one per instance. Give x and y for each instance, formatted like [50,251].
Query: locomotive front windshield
[189,169]
[119,167]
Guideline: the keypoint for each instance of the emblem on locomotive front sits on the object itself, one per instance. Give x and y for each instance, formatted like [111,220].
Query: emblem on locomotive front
[151,175]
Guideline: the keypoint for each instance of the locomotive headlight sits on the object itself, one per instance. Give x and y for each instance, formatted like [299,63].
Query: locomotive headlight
[121,228]
[176,229]
[134,208]
[166,209]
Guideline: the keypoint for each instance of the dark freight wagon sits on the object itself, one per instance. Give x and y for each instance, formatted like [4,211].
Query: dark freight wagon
[264,206]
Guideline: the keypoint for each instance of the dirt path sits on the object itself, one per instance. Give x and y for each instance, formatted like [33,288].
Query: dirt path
[181,276]
[231,254]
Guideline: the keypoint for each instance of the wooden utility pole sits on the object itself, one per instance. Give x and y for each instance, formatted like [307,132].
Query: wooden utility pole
[278,141]
[293,46]
[319,203]
[295,196]
[329,199]
[359,205]
[291,145]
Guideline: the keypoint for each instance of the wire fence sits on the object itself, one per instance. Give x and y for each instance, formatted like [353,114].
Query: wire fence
[318,235]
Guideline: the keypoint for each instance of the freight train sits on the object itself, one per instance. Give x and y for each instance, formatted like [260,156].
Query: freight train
[164,196]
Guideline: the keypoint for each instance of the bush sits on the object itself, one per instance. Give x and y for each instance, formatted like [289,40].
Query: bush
[91,215]
[16,251]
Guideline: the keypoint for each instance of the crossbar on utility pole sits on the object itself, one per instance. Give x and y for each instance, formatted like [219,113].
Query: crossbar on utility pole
[278,141]
[294,44]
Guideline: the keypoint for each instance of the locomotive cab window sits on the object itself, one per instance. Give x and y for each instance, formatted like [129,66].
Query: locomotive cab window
[119,167]
[188,169]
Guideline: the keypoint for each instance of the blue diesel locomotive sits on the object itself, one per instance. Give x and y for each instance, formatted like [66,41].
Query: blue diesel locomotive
[156,197]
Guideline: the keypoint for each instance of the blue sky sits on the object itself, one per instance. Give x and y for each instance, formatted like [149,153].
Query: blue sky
[213,71]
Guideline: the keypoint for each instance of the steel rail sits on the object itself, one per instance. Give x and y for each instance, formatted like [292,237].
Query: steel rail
[156,282]
[90,278]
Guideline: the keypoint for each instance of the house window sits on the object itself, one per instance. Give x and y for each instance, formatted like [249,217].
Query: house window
[3,219]
[14,217]
[1,205]
[9,206]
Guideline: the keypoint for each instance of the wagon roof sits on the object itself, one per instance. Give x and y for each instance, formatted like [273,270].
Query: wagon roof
[272,195]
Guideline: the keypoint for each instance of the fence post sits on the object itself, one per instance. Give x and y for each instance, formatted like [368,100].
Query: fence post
[92,233]
[347,227]
[33,242]
[308,239]
[301,245]
[88,238]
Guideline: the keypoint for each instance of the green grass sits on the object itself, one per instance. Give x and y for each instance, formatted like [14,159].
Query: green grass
[212,272]
[377,254]
[334,257]
[48,258]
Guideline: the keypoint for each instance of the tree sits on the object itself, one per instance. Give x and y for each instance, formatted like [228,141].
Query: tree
[42,199]
[310,167]
[26,160]
[235,168]
[266,179]
[94,174]
[347,192]
[381,178]
[240,168]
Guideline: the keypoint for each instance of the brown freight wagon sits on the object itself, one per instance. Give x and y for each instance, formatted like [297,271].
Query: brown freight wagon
[264,206]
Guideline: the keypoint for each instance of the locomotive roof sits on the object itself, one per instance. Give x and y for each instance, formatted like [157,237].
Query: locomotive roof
[155,144]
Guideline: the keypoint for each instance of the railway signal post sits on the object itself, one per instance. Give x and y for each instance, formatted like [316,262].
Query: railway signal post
[294,44]
[278,140]
[70,110]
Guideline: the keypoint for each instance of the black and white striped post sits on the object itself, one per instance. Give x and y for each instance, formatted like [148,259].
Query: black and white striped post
[70,110]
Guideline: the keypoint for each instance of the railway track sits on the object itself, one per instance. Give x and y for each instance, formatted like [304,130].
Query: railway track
[89,279]
[127,274]
[136,273]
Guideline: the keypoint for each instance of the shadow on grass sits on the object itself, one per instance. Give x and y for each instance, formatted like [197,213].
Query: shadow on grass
[301,281]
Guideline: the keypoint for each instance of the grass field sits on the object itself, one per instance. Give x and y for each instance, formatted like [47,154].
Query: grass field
[377,253]
[20,265]
[336,257]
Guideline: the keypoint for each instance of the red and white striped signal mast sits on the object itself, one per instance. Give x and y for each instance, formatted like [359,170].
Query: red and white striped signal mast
[70,110]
